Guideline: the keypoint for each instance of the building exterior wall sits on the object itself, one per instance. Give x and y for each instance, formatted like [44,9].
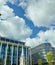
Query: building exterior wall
[39,52]
[11,52]
[53,51]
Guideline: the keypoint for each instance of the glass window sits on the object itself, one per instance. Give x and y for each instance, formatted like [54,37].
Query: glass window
[19,52]
[9,55]
[14,54]
[15,51]
[9,50]
[3,39]
[3,52]
[7,40]
[25,52]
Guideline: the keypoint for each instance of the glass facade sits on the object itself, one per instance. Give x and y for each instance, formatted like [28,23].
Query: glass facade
[10,53]
[40,52]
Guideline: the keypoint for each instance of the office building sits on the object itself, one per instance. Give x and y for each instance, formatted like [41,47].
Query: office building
[39,52]
[53,52]
[10,51]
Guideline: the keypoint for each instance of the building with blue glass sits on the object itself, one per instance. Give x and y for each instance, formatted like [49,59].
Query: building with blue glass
[10,51]
[40,51]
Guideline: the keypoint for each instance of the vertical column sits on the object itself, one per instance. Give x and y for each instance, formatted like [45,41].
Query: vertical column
[12,55]
[6,54]
[17,56]
[26,56]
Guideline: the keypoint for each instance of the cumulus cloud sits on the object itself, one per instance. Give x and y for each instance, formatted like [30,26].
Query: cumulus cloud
[43,37]
[41,12]
[14,1]
[12,26]
[15,27]
[6,12]
[2,2]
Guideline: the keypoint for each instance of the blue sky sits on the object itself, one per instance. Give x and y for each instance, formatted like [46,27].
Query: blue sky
[29,21]
[20,12]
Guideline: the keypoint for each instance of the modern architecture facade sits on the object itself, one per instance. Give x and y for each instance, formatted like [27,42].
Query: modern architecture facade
[53,51]
[10,51]
[39,52]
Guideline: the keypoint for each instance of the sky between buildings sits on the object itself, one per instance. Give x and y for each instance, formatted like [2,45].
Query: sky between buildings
[32,21]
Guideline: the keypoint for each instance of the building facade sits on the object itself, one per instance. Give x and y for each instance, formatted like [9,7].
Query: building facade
[39,52]
[10,51]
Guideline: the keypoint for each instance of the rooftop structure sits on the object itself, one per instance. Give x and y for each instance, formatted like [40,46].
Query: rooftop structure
[11,40]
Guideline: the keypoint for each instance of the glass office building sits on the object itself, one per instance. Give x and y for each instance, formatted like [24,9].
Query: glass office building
[10,51]
[39,52]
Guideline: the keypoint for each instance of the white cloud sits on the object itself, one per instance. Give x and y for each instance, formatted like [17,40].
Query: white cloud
[41,12]
[6,12]
[2,2]
[13,1]
[12,26]
[43,37]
